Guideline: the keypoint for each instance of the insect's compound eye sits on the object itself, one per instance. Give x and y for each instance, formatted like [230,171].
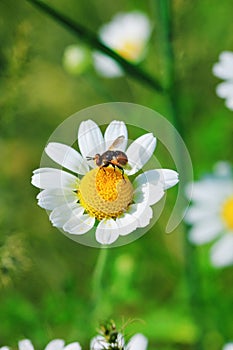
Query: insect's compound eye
[98,159]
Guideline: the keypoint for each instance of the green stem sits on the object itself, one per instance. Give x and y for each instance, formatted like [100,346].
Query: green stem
[164,10]
[92,40]
[97,283]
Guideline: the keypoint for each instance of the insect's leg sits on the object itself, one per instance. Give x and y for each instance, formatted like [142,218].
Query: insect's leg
[122,171]
[104,166]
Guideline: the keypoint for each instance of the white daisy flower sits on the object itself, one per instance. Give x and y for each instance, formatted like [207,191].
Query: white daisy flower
[228,346]
[101,196]
[56,344]
[211,214]
[127,34]
[138,341]
[224,70]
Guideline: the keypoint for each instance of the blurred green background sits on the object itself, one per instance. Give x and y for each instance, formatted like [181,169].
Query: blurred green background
[45,278]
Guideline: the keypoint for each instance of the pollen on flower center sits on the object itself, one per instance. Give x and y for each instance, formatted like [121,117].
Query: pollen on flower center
[104,193]
[227,212]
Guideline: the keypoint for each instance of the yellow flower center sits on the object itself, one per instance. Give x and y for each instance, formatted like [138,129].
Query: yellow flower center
[227,212]
[130,50]
[104,193]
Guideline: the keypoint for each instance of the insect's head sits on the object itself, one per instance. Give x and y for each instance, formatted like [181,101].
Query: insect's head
[96,158]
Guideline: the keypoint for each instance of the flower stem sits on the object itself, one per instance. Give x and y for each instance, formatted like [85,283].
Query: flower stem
[97,283]
[93,41]
[192,273]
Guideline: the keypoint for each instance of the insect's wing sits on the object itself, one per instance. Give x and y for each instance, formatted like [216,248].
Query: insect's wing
[117,142]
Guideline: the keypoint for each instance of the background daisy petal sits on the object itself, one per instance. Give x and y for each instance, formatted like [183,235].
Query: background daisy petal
[73,346]
[140,151]
[90,139]
[229,102]
[137,342]
[205,231]
[107,231]
[225,89]
[67,157]
[56,344]
[106,66]
[114,130]
[25,344]
[209,189]
[223,69]
[228,346]
[198,213]
[47,178]
[221,253]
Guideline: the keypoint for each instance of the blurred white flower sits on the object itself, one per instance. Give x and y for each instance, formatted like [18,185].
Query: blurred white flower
[137,342]
[103,196]
[228,346]
[128,35]
[211,214]
[56,344]
[76,59]
[224,70]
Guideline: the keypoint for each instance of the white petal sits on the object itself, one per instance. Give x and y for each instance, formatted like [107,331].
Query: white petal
[25,344]
[223,69]
[222,251]
[90,139]
[137,342]
[107,231]
[73,346]
[228,346]
[136,26]
[142,212]
[198,213]
[225,90]
[51,198]
[152,184]
[60,215]
[168,177]
[98,343]
[67,157]
[79,224]
[126,223]
[56,344]
[229,103]
[124,28]
[114,130]
[106,66]
[205,231]
[210,190]
[4,348]
[223,169]
[140,151]
[47,178]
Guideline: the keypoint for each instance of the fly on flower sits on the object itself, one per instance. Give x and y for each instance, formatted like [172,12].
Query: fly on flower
[111,338]
[112,156]
[100,195]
